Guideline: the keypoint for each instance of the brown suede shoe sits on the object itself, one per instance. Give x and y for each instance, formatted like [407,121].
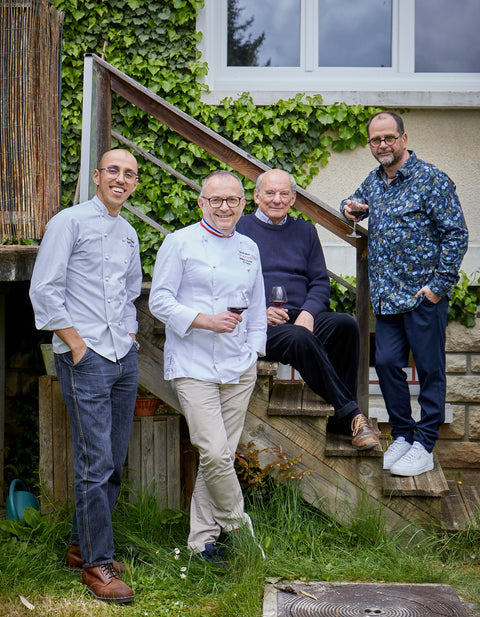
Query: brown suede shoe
[363,435]
[105,584]
[73,560]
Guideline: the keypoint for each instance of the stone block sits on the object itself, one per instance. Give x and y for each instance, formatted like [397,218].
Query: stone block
[461,338]
[474,422]
[458,455]
[456,363]
[456,428]
[475,363]
[463,389]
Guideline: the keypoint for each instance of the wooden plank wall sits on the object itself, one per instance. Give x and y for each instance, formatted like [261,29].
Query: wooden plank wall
[55,437]
[154,457]
[153,460]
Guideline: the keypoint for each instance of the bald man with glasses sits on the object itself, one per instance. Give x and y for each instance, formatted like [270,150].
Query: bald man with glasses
[417,240]
[86,278]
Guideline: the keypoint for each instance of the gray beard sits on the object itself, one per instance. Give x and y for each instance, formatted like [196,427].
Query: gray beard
[386,160]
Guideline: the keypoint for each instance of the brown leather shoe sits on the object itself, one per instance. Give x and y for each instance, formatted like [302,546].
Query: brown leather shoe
[73,560]
[105,584]
[363,435]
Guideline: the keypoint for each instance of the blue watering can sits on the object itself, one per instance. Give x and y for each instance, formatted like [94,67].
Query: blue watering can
[18,500]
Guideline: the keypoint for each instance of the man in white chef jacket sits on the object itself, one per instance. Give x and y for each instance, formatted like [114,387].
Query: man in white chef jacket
[210,351]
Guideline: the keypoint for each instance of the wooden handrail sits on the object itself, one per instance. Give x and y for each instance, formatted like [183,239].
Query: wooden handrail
[111,79]
[221,148]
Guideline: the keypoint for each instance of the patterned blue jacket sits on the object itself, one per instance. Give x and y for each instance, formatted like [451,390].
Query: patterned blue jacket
[417,234]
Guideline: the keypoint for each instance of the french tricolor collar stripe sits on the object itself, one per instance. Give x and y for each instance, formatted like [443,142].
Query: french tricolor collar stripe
[213,231]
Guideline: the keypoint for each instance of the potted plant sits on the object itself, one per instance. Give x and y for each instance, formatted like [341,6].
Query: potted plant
[147,403]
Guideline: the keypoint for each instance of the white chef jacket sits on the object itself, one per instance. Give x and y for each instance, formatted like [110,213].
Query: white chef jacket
[87,275]
[194,273]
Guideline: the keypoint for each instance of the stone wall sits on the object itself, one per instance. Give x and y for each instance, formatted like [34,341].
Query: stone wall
[459,443]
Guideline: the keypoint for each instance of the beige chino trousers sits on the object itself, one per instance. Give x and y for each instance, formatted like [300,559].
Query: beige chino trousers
[215,414]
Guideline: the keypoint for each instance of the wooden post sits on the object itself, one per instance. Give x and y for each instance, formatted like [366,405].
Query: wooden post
[363,318]
[104,111]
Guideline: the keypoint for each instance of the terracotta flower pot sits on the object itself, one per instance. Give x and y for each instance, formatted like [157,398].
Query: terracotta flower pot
[146,406]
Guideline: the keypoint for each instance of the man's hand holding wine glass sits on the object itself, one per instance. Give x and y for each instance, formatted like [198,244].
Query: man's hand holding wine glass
[276,315]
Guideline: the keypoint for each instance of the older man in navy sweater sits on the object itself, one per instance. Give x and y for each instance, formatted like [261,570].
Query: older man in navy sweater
[321,345]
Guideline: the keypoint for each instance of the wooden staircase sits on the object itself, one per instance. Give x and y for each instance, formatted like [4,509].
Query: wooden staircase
[345,483]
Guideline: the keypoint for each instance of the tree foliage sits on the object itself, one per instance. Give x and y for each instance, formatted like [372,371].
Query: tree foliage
[156,44]
[242,49]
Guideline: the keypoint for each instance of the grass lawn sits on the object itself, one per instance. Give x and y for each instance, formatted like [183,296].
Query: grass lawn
[299,542]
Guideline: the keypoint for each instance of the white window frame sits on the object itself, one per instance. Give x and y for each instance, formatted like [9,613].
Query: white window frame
[397,85]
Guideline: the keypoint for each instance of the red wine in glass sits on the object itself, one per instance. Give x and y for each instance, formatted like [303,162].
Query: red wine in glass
[277,296]
[237,309]
[356,212]
[237,303]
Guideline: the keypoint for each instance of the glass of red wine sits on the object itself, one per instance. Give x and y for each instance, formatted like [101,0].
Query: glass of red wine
[357,212]
[237,303]
[277,296]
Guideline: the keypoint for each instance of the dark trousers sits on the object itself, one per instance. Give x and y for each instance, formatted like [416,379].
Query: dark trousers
[423,332]
[327,359]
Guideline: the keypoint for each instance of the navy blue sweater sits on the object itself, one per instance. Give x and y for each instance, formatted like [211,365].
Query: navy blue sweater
[291,256]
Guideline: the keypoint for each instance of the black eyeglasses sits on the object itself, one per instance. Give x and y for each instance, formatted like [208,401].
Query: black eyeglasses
[113,173]
[216,202]
[389,140]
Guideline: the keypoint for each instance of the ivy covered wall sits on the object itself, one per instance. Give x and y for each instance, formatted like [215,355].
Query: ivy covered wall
[156,44]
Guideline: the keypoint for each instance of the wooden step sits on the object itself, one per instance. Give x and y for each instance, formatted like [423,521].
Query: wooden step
[460,506]
[264,367]
[429,484]
[296,399]
[341,445]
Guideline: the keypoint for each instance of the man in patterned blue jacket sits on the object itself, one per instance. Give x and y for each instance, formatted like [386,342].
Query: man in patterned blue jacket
[417,240]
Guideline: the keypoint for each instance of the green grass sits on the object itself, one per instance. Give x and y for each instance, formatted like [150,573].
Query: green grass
[300,544]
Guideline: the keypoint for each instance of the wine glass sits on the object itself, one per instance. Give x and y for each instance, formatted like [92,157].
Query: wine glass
[356,212]
[277,296]
[237,303]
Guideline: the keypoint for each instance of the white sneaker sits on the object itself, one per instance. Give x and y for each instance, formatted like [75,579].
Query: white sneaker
[395,452]
[416,461]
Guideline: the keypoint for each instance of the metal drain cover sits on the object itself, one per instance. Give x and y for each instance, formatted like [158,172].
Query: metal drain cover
[361,600]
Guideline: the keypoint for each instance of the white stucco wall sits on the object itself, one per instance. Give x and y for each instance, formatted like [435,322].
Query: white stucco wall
[449,139]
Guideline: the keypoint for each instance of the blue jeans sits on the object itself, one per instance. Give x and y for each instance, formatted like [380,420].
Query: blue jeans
[100,398]
[422,331]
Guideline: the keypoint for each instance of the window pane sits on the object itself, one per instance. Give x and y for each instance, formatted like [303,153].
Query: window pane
[355,33]
[265,33]
[446,36]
